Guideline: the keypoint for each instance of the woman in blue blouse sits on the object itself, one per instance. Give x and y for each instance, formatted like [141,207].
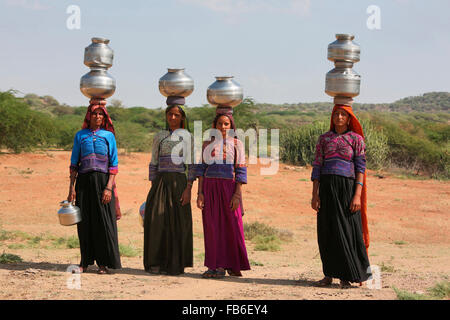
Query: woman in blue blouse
[94,166]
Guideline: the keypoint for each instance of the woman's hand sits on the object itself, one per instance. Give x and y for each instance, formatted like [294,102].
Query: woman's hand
[186,197]
[355,205]
[235,202]
[72,195]
[315,203]
[107,195]
[200,201]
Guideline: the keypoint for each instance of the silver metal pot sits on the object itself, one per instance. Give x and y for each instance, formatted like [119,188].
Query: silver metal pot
[342,80]
[69,214]
[98,54]
[344,49]
[343,83]
[97,83]
[225,92]
[176,82]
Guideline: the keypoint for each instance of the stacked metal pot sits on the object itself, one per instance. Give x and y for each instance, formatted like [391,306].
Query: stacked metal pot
[97,83]
[343,82]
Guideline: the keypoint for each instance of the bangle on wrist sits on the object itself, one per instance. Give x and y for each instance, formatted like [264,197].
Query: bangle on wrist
[362,185]
[108,189]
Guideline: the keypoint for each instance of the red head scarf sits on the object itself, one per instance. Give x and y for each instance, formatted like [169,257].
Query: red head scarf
[356,127]
[94,105]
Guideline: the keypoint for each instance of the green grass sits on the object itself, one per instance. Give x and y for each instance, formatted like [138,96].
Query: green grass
[66,242]
[386,268]
[9,258]
[440,291]
[406,295]
[254,229]
[17,246]
[11,235]
[128,251]
[267,243]
[265,237]
[256,263]
[38,241]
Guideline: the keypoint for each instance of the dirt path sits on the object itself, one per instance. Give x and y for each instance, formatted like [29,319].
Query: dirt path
[408,221]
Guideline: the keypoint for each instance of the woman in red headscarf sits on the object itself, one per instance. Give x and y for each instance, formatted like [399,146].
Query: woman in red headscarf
[94,165]
[339,197]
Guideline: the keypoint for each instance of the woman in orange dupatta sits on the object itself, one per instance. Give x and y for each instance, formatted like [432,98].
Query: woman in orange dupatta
[340,199]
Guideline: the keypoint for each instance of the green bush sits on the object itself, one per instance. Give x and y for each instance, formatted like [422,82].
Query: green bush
[299,146]
[22,129]
[9,258]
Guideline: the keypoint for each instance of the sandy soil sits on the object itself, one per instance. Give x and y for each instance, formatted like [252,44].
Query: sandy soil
[408,221]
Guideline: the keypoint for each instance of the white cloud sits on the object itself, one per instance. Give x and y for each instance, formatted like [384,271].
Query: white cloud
[233,7]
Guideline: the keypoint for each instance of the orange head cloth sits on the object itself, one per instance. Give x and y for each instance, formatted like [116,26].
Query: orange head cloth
[356,127]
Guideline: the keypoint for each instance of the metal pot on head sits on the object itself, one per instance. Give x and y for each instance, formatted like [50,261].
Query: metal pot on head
[177,83]
[225,92]
[344,49]
[343,83]
[98,83]
[68,214]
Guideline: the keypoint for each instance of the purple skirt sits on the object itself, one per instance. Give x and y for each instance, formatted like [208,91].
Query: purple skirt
[223,229]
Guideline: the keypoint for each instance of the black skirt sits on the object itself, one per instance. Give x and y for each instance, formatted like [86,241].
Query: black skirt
[168,241]
[339,231]
[97,230]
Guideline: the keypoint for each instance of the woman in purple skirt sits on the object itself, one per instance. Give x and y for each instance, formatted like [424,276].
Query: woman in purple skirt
[221,175]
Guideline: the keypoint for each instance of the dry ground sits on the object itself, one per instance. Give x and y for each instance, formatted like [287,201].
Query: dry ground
[408,221]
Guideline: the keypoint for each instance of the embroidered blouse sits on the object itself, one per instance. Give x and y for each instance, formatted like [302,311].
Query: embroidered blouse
[172,151]
[223,159]
[94,151]
[339,154]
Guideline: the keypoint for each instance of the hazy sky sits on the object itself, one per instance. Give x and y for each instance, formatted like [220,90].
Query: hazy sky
[277,50]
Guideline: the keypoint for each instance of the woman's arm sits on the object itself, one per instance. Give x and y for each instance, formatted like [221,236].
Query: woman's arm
[315,201]
[107,193]
[200,197]
[236,199]
[355,205]
[74,159]
[72,194]
[315,175]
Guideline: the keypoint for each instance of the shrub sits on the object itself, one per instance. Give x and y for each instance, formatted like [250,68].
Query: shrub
[9,258]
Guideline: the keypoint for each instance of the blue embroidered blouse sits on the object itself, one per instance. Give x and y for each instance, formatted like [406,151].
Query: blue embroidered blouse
[94,151]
